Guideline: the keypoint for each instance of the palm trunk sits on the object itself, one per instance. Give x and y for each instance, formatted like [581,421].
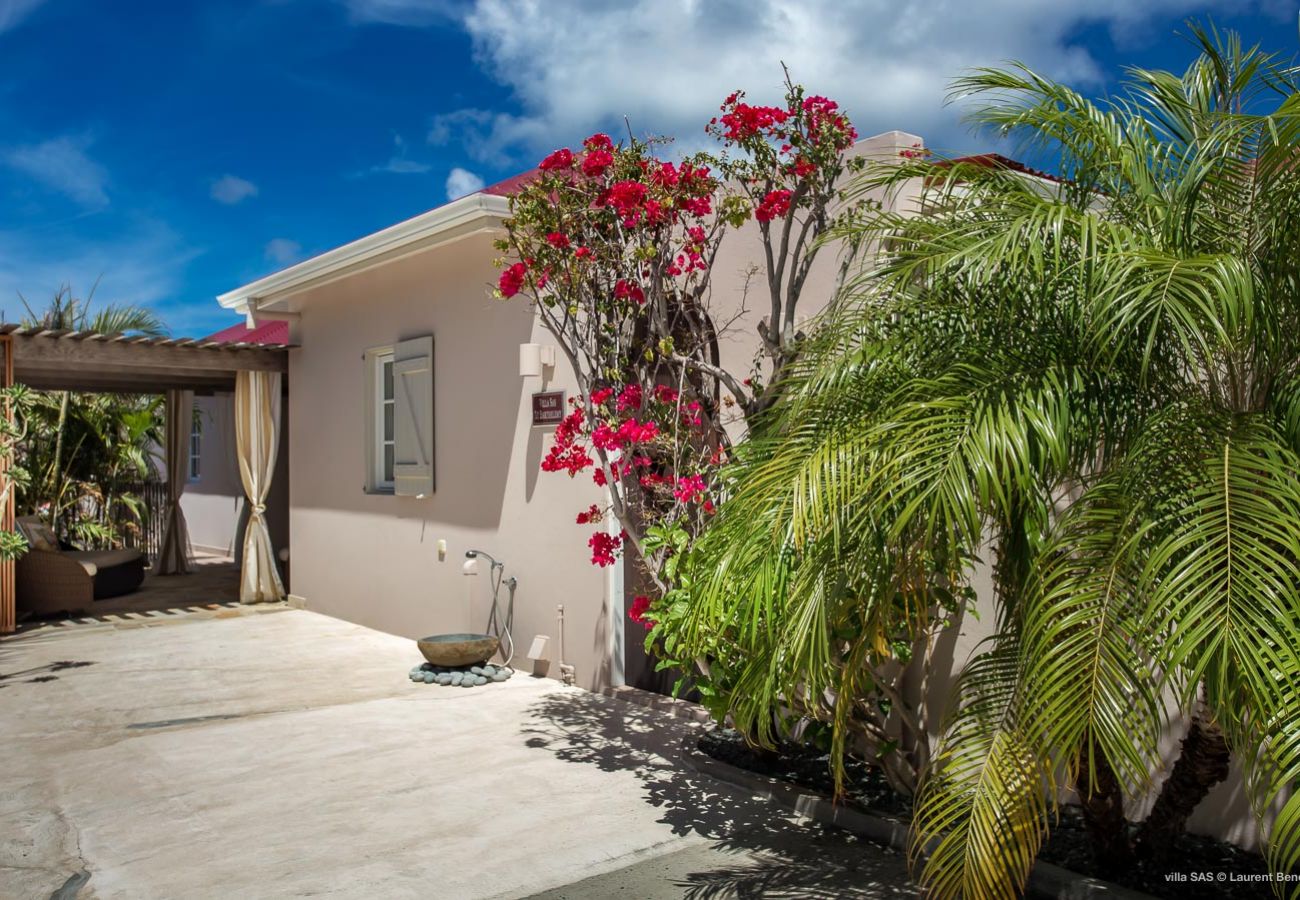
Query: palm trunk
[1201,765]
[57,469]
[1102,801]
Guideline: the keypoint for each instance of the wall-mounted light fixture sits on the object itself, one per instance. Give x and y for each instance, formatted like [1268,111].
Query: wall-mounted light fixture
[532,357]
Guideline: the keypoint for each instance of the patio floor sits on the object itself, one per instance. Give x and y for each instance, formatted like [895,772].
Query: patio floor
[287,755]
[211,588]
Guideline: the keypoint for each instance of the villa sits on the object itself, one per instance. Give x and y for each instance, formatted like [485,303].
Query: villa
[413,434]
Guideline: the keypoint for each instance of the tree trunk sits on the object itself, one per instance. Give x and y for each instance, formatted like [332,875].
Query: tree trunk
[1102,801]
[1201,765]
[58,462]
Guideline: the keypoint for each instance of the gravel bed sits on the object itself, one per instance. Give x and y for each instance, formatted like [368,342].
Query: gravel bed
[1200,858]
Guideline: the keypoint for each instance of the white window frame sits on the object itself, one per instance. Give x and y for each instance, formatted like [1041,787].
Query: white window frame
[376,359]
[194,465]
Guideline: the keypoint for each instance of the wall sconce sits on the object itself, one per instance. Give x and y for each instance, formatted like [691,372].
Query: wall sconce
[532,357]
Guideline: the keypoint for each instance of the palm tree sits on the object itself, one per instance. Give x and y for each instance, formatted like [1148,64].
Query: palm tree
[110,432]
[1095,380]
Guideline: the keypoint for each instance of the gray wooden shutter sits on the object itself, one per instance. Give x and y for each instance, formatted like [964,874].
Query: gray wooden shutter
[413,417]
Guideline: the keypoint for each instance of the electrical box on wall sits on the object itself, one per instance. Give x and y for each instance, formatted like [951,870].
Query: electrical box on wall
[540,648]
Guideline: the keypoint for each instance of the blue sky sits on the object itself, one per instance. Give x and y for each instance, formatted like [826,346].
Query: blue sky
[177,150]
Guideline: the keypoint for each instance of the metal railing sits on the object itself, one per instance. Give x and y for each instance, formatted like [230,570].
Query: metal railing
[146,532]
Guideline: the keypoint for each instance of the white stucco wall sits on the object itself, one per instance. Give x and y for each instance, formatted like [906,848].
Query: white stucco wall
[372,558]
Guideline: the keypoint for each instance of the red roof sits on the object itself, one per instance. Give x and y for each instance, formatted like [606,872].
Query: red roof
[270,332]
[510,185]
[998,161]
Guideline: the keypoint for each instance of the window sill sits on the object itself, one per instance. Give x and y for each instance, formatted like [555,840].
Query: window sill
[380,491]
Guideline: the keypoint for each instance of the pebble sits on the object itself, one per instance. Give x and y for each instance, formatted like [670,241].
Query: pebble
[463,676]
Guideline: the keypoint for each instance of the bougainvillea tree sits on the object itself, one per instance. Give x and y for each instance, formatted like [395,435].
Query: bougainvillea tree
[616,246]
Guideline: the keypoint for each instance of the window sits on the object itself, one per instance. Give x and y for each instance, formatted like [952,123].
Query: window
[399,418]
[196,445]
[382,427]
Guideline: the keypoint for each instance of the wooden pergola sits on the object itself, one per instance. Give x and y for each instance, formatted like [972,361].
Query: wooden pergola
[55,360]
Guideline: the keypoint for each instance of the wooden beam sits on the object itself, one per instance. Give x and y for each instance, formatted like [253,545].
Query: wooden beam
[115,355]
[8,594]
[121,383]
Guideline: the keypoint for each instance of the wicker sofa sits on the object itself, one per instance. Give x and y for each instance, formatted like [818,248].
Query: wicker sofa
[50,578]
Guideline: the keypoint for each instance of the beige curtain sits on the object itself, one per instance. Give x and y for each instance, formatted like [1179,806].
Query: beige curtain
[174,557]
[257,432]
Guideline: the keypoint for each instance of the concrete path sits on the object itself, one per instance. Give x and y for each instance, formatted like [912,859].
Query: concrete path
[287,755]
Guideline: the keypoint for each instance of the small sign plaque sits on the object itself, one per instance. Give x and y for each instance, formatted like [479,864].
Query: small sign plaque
[548,407]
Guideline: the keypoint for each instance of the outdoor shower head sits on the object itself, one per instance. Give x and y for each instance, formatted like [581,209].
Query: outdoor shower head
[471,562]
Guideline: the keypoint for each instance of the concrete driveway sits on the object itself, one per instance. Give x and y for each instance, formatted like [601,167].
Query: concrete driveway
[287,755]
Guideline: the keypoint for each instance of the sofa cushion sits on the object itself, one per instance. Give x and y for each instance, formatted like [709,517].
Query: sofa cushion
[38,534]
[104,559]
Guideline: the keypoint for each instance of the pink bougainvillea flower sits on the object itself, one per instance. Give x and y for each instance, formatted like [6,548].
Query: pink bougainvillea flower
[560,159]
[605,438]
[775,205]
[566,454]
[596,162]
[629,398]
[634,432]
[626,290]
[558,240]
[664,176]
[698,206]
[604,546]
[665,394]
[600,396]
[742,121]
[589,515]
[689,488]
[598,141]
[582,253]
[626,195]
[639,610]
[512,279]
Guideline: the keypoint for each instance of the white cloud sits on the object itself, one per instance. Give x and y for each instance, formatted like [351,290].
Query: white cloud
[577,65]
[283,251]
[416,13]
[462,182]
[447,126]
[231,189]
[61,164]
[398,164]
[12,12]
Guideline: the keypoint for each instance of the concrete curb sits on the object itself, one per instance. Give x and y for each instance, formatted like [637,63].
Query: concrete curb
[678,709]
[1046,880]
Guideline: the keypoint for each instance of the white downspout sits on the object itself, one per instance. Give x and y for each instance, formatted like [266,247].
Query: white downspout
[615,652]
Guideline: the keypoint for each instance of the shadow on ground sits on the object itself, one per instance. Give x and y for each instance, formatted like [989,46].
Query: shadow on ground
[756,850]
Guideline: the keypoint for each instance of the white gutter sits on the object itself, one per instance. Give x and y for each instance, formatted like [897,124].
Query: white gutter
[448,222]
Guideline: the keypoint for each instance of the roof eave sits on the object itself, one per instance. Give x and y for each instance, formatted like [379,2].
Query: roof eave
[468,215]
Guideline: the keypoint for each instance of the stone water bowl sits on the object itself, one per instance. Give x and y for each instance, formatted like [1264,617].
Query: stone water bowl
[458,649]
